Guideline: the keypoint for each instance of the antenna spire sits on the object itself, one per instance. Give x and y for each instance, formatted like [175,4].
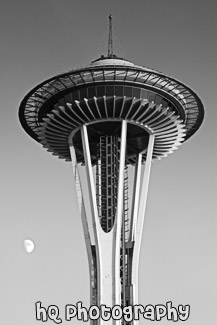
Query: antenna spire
[110,40]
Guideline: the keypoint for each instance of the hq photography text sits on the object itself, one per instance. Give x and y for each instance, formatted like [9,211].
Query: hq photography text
[128,313]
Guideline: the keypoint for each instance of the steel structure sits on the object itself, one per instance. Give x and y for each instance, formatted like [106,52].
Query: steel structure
[106,118]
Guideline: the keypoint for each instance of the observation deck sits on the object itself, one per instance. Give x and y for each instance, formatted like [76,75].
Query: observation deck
[101,95]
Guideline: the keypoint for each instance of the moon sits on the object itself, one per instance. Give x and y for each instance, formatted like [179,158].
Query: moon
[29,245]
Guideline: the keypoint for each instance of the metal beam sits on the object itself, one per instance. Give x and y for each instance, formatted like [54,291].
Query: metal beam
[136,194]
[140,221]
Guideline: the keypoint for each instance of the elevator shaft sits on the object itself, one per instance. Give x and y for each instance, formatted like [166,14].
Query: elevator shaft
[107,180]
[107,170]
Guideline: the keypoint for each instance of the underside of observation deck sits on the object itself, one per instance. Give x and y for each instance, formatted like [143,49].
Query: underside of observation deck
[103,116]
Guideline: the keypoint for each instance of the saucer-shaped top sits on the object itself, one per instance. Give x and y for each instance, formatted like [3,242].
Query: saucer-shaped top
[115,80]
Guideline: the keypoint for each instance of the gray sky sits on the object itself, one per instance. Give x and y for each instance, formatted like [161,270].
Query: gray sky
[179,251]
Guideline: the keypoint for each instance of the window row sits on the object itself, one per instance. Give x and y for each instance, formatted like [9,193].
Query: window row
[111,90]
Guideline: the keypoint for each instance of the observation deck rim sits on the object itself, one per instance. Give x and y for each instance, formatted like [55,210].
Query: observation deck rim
[107,67]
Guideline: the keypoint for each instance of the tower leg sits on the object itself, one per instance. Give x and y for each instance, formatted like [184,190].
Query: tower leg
[107,245]
[139,208]
[106,249]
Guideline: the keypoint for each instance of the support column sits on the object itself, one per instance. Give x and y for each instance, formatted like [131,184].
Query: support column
[139,207]
[107,245]
[104,248]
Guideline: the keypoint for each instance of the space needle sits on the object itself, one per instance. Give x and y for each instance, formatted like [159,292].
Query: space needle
[111,119]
